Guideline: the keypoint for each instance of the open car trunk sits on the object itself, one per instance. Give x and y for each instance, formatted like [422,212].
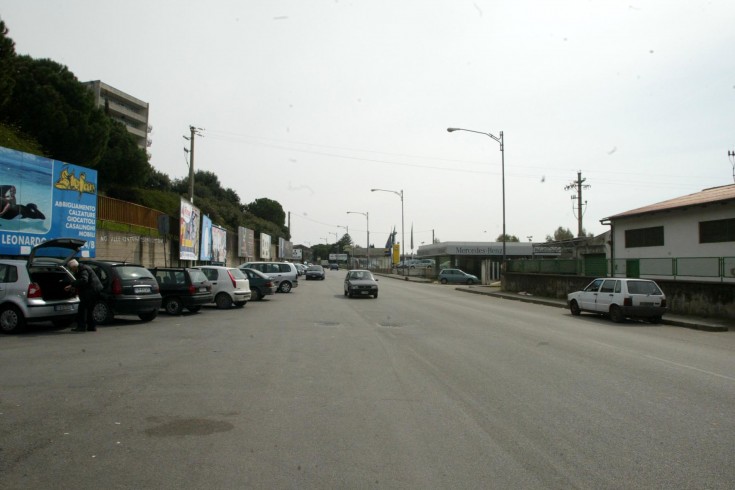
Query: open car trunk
[52,281]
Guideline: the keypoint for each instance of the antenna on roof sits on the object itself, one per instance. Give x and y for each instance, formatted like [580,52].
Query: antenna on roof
[731,156]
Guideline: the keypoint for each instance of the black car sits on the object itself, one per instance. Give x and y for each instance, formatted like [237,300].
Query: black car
[260,284]
[315,272]
[183,287]
[128,289]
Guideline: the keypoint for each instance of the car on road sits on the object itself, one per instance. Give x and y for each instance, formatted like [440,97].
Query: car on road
[260,284]
[301,268]
[230,286]
[32,290]
[127,289]
[182,287]
[620,298]
[333,266]
[360,282]
[315,272]
[284,274]
[457,276]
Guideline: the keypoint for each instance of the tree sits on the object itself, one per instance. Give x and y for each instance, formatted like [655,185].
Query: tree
[50,104]
[124,164]
[561,234]
[508,238]
[268,209]
[7,59]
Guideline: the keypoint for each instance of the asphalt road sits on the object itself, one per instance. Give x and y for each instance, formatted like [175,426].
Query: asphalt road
[424,387]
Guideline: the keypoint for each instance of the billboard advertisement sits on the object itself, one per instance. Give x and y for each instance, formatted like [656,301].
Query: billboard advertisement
[205,249]
[219,244]
[265,246]
[189,231]
[246,239]
[42,199]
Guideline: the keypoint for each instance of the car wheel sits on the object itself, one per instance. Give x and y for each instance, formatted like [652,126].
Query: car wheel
[194,309]
[470,282]
[574,308]
[285,287]
[102,313]
[148,316]
[173,306]
[375,295]
[616,314]
[345,292]
[255,294]
[443,280]
[11,319]
[223,301]
[240,304]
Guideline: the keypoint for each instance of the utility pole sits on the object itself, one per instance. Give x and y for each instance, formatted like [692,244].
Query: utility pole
[578,185]
[194,132]
[731,156]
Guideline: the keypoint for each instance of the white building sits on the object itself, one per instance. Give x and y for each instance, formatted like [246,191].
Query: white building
[130,111]
[690,236]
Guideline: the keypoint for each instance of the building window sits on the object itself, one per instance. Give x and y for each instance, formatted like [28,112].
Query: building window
[721,230]
[644,237]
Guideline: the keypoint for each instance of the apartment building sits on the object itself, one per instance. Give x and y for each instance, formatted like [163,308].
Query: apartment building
[129,110]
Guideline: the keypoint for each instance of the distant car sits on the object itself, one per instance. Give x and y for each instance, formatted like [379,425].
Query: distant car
[315,272]
[620,298]
[182,287]
[333,266]
[284,274]
[230,286]
[260,284]
[33,290]
[457,276]
[360,282]
[301,269]
[128,289]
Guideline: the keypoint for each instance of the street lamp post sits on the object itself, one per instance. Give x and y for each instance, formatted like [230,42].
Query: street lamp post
[502,167]
[403,235]
[367,227]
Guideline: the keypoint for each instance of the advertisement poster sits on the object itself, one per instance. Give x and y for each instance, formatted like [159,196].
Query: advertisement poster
[219,244]
[265,246]
[205,252]
[41,199]
[189,231]
[246,240]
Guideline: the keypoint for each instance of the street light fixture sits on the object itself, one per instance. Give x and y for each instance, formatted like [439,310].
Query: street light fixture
[403,235]
[502,160]
[367,244]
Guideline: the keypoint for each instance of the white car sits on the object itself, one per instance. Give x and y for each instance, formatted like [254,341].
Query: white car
[230,286]
[620,298]
[33,290]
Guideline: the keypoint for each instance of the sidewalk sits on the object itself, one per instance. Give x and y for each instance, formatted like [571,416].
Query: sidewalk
[696,323]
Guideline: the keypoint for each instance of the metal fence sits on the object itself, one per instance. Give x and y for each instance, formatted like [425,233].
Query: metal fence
[109,209]
[701,268]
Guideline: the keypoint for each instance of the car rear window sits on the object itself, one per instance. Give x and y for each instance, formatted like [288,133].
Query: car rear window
[237,273]
[131,272]
[197,275]
[643,287]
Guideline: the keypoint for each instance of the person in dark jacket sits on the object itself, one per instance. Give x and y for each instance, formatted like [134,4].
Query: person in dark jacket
[88,287]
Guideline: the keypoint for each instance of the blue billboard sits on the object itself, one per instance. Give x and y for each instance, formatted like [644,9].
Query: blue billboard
[42,199]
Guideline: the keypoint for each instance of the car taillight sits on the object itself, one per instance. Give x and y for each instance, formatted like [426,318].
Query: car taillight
[34,290]
[192,289]
[269,284]
[234,284]
[628,301]
[116,286]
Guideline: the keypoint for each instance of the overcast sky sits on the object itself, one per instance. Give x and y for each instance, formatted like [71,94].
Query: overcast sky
[312,103]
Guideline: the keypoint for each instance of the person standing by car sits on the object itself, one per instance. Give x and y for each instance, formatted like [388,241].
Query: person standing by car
[88,287]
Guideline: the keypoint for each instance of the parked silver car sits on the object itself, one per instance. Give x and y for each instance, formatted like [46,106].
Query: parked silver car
[620,298]
[33,290]
[230,286]
[457,276]
[284,274]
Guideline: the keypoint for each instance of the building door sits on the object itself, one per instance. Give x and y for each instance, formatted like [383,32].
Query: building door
[633,268]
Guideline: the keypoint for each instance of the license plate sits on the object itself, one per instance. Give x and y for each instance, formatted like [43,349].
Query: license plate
[364,292]
[63,307]
[142,289]
[203,289]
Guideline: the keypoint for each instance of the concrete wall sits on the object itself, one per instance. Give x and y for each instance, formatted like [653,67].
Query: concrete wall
[715,300]
[151,251]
